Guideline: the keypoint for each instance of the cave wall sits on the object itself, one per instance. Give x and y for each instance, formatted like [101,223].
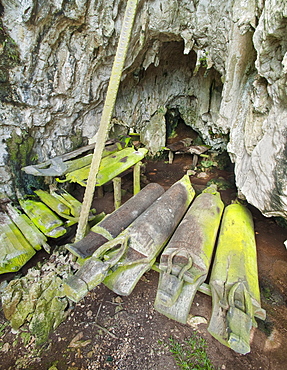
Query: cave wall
[222,64]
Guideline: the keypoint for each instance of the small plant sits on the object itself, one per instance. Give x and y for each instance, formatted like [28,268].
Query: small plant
[3,327]
[191,354]
[203,59]
[206,163]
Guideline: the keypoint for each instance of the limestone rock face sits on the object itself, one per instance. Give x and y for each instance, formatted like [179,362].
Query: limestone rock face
[221,65]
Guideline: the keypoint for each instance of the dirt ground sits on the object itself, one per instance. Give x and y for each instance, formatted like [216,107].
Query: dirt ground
[106,331]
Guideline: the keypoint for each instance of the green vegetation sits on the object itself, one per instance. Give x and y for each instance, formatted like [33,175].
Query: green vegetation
[206,163]
[271,294]
[172,119]
[9,58]
[203,59]
[191,354]
[20,149]
[76,139]
[3,327]
[221,183]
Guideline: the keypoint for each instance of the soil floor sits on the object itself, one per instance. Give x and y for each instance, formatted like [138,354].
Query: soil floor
[107,331]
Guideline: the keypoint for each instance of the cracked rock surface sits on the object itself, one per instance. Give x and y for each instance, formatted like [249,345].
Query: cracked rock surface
[221,65]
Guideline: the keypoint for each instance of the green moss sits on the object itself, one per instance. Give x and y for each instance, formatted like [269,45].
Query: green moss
[4,76]
[20,149]
[26,338]
[206,163]
[77,139]
[221,183]
[270,293]
[9,58]
[21,154]
[203,60]
[3,327]
[172,119]
[266,292]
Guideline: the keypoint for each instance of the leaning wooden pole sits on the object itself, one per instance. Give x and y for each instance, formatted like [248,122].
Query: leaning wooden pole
[106,115]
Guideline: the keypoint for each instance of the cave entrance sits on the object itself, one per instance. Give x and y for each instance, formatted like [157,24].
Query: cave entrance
[168,96]
[176,128]
[188,151]
[166,90]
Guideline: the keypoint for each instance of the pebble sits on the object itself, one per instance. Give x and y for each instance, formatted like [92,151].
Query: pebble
[90,313]
[118,299]
[202,175]
[194,321]
[5,347]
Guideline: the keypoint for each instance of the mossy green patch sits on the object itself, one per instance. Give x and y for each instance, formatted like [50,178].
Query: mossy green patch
[76,139]
[9,58]
[38,302]
[172,119]
[221,183]
[20,147]
[3,326]
[20,154]
[26,338]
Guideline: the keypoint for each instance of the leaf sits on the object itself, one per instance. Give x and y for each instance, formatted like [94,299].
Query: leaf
[76,342]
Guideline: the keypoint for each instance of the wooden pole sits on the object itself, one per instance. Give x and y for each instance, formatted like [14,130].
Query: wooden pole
[137,177]
[107,114]
[117,182]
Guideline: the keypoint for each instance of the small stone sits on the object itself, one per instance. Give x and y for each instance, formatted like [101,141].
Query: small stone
[194,321]
[118,299]
[90,354]
[90,313]
[5,347]
[202,175]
